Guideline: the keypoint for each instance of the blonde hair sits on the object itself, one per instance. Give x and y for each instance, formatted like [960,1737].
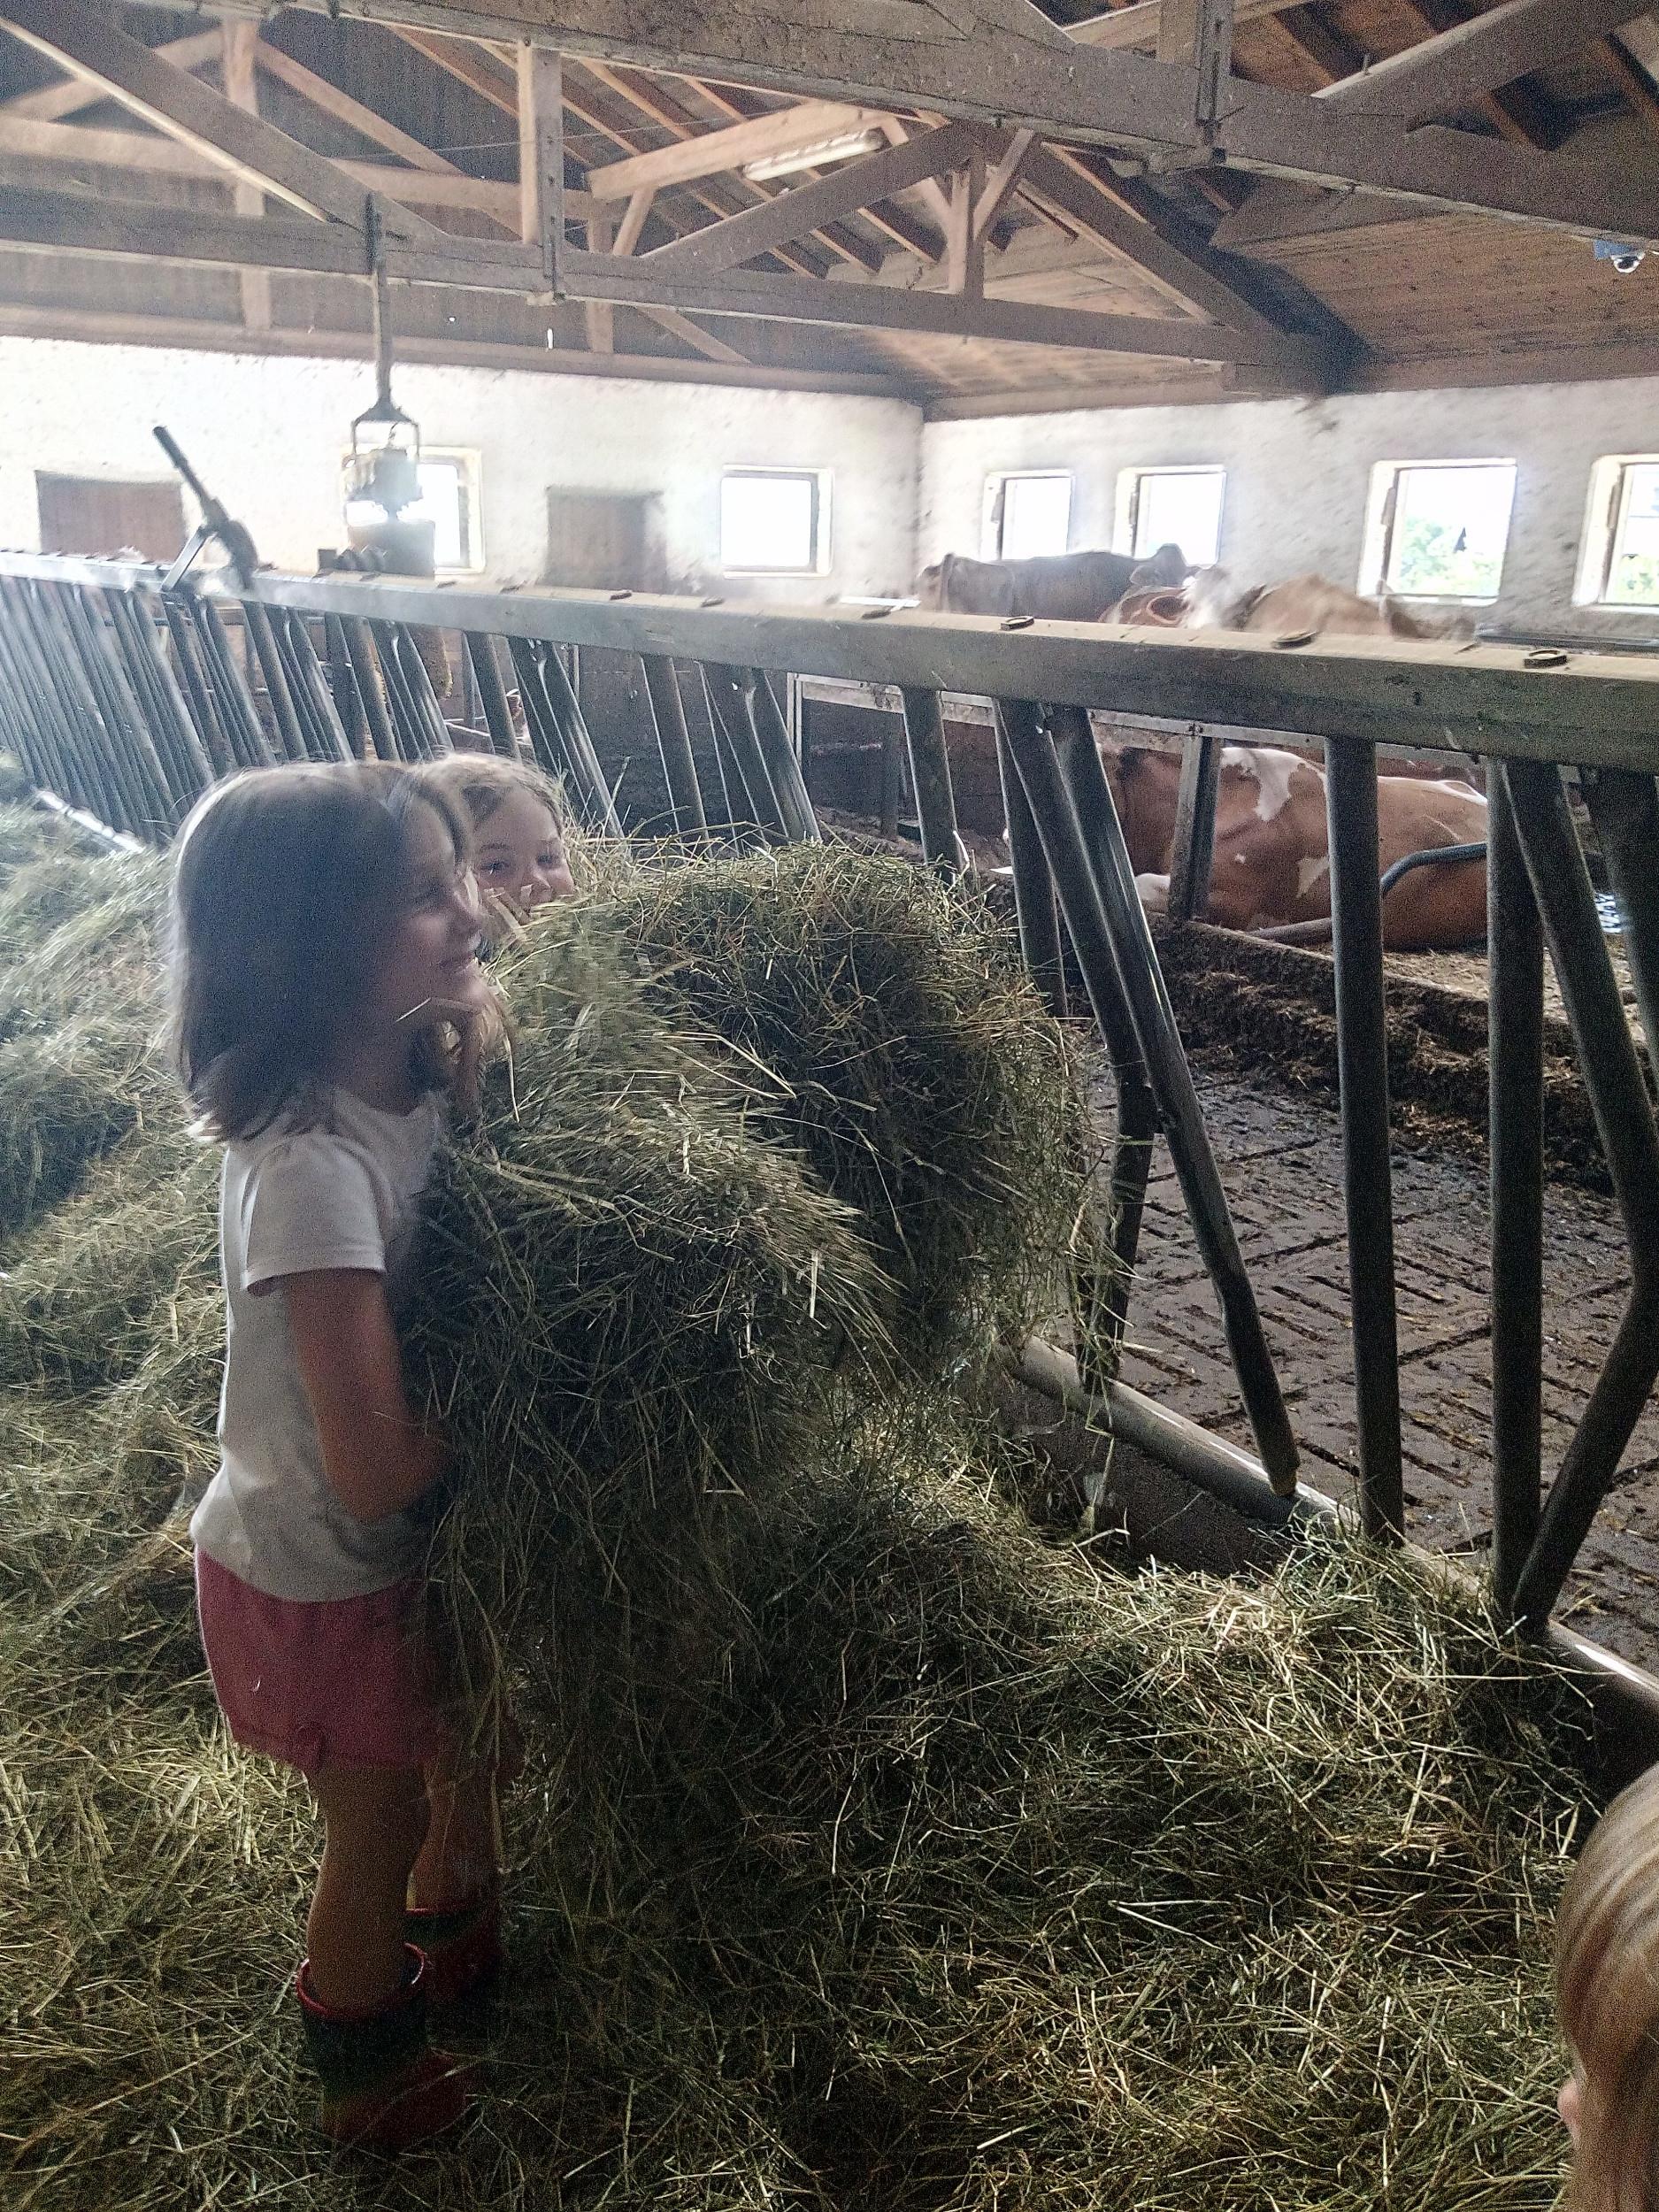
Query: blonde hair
[481,782]
[1607,1987]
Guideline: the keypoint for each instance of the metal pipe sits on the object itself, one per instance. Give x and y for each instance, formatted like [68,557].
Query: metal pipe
[123,718]
[365,676]
[204,716]
[1626,811]
[578,744]
[674,745]
[136,618]
[942,848]
[1618,1097]
[1431,856]
[241,718]
[772,734]
[1362,1045]
[276,683]
[492,693]
[1141,980]
[735,725]
[1192,848]
[402,708]
[1515,960]
[1035,908]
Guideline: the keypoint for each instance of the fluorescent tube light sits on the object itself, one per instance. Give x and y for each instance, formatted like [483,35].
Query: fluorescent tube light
[817,155]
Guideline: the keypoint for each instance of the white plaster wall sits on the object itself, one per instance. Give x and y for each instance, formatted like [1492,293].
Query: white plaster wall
[268,434]
[1299,476]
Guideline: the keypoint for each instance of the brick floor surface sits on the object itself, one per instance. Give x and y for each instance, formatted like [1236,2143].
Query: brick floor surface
[1280,1159]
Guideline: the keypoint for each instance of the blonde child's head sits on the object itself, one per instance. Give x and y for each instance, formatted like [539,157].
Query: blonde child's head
[518,823]
[313,905]
[1606,1984]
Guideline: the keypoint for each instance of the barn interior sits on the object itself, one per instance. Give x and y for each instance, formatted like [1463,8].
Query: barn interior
[1117,1735]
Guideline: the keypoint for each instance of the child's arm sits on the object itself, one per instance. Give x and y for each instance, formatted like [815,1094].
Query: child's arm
[377,1457]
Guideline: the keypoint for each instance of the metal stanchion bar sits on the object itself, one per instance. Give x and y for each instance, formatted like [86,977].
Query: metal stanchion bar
[400,701]
[1035,908]
[241,719]
[136,621]
[1361,1046]
[343,685]
[674,744]
[205,714]
[1515,960]
[1193,848]
[561,695]
[67,677]
[123,718]
[62,769]
[547,739]
[492,693]
[324,733]
[434,731]
[1624,809]
[1624,1115]
[735,730]
[1064,848]
[276,682]
[771,733]
[930,779]
[1141,982]
[365,678]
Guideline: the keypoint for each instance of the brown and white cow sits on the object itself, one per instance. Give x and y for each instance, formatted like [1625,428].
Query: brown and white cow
[1056,587]
[1271,864]
[1306,606]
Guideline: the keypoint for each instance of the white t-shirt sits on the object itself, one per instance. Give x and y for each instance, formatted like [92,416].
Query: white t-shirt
[341,1194]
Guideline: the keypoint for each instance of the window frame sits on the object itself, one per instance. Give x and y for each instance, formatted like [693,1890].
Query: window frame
[1128,504]
[1382,514]
[468,464]
[1606,513]
[994,506]
[819,550]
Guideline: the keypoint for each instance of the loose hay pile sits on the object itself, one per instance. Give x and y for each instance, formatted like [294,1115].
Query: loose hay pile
[931,1869]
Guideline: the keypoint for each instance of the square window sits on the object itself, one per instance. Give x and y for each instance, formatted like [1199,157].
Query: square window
[1440,529]
[1630,577]
[449,501]
[773,522]
[1026,517]
[1171,507]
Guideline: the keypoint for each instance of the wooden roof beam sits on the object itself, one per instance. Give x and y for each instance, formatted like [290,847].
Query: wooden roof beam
[1477,56]
[53,101]
[88,45]
[854,184]
[909,55]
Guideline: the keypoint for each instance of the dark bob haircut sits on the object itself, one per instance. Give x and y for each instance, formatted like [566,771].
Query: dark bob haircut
[285,878]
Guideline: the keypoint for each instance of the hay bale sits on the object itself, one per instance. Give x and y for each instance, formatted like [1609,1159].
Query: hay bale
[922,1078]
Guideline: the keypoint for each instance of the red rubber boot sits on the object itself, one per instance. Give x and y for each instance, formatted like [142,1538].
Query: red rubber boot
[384,2088]
[462,1946]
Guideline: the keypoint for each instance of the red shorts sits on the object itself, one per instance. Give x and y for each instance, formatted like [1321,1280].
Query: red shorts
[347,1682]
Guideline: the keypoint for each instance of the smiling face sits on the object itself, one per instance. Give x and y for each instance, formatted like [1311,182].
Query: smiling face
[425,971]
[519,855]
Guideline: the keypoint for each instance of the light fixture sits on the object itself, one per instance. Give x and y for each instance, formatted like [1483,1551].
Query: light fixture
[817,155]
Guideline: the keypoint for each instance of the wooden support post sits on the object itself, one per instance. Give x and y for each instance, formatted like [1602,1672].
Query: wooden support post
[541,158]
[964,242]
[598,316]
[241,36]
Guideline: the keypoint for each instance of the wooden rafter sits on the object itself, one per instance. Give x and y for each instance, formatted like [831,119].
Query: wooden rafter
[912,57]
[145,153]
[90,47]
[53,101]
[848,189]
[1480,56]
[241,35]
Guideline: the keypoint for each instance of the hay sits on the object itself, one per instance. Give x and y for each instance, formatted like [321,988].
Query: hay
[874,1856]
[922,1079]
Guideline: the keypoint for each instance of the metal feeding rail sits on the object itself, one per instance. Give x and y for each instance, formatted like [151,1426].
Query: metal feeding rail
[127,691]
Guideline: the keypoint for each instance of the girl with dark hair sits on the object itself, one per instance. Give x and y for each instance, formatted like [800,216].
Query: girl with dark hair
[328,1002]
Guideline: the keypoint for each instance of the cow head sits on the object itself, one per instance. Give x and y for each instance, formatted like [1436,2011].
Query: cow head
[1168,565]
[930,587]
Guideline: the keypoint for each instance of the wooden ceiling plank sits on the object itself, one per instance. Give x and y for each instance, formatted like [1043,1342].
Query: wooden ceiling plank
[1480,56]
[702,342]
[53,101]
[328,99]
[1124,29]
[1275,211]
[856,184]
[170,99]
[1631,80]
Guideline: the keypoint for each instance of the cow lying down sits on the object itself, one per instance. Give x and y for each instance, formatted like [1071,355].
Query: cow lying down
[1271,865]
